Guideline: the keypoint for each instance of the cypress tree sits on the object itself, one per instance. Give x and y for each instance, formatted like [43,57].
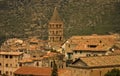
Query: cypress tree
[54,69]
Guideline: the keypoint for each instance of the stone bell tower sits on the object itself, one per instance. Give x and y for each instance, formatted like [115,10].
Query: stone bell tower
[55,28]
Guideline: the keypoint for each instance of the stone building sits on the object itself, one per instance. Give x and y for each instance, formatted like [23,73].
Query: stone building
[55,29]
[44,61]
[95,66]
[92,45]
[9,62]
[36,71]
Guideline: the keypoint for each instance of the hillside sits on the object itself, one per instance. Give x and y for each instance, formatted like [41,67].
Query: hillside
[23,18]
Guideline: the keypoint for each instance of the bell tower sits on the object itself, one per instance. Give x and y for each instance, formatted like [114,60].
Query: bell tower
[55,28]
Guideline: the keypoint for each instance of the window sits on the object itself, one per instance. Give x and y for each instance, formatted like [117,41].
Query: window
[75,52]
[88,55]
[6,56]
[80,52]
[34,56]
[6,65]
[92,46]
[37,64]
[20,64]
[11,73]
[69,45]
[100,41]
[57,26]
[6,72]
[56,32]
[60,26]
[10,65]
[60,38]
[11,56]
[0,72]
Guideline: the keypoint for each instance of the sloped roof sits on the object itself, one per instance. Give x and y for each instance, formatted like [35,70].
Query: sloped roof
[110,60]
[102,42]
[77,39]
[55,17]
[34,71]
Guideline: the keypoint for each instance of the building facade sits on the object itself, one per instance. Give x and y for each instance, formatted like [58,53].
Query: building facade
[55,28]
[9,62]
[91,45]
[95,66]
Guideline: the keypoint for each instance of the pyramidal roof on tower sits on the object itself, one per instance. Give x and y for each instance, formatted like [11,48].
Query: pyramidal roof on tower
[55,17]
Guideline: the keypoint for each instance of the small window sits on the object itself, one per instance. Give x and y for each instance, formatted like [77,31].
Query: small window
[60,26]
[0,72]
[95,55]
[11,73]
[11,56]
[6,56]
[6,65]
[100,41]
[34,56]
[6,72]
[69,45]
[88,55]
[92,46]
[20,64]
[80,52]
[57,26]
[75,52]
[10,65]
[37,64]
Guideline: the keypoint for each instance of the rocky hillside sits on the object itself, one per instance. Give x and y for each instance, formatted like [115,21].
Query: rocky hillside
[23,18]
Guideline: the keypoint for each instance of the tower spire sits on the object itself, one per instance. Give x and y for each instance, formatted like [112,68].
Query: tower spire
[55,17]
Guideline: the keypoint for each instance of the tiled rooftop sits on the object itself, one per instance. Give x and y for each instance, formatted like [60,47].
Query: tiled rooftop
[35,71]
[102,42]
[94,38]
[109,60]
[96,47]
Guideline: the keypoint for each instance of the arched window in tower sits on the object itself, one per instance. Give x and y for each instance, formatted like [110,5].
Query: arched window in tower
[60,25]
[60,39]
[56,32]
[57,26]
[52,32]
[37,64]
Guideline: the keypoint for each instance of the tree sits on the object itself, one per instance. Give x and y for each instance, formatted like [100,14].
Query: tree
[113,72]
[54,69]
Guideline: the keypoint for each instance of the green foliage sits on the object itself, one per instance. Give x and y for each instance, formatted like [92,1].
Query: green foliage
[113,72]
[54,69]
[81,17]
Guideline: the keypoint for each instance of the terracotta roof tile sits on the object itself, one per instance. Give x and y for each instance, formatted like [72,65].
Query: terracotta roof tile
[33,71]
[40,71]
[102,60]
